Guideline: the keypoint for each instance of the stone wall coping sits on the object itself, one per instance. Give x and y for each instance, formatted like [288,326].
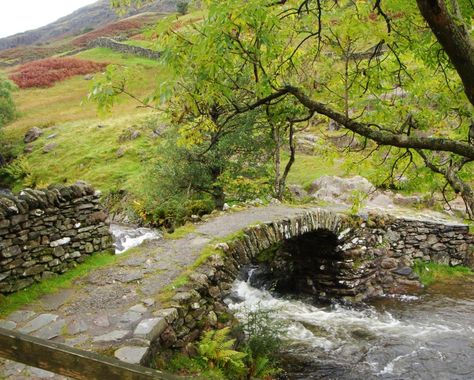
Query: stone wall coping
[31,199]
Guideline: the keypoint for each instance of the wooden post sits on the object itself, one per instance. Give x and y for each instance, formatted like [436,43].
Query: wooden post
[71,362]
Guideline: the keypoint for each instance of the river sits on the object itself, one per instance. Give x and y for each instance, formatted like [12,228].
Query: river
[428,336]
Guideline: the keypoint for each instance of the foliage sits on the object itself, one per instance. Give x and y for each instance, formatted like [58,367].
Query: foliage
[431,273]
[7,106]
[263,341]
[46,72]
[216,350]
[182,7]
[239,56]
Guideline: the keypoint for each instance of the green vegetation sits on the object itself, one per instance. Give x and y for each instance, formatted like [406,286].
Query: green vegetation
[431,273]
[13,302]
[7,106]
[220,357]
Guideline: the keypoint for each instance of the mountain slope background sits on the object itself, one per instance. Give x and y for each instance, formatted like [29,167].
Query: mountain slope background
[86,18]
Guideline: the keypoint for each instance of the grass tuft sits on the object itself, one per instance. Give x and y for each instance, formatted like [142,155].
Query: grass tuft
[431,273]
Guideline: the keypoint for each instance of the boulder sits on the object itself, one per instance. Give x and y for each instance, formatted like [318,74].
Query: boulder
[32,135]
[49,147]
[297,191]
[337,189]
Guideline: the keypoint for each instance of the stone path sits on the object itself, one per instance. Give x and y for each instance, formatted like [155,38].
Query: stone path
[118,305]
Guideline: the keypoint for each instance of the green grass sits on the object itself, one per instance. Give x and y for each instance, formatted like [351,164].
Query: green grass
[13,302]
[431,273]
[181,232]
[85,151]
[111,56]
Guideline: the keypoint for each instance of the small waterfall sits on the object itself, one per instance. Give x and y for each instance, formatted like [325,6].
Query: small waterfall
[126,237]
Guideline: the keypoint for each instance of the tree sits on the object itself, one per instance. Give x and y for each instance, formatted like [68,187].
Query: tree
[7,112]
[396,74]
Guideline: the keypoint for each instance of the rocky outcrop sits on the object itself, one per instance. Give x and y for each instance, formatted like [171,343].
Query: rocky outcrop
[124,48]
[46,232]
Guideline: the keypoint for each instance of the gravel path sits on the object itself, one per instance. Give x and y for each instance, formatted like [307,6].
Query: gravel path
[103,309]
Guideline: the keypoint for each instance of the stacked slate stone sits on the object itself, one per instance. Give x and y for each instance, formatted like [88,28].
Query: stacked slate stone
[124,48]
[47,232]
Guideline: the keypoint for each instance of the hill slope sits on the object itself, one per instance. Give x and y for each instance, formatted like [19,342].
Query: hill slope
[91,16]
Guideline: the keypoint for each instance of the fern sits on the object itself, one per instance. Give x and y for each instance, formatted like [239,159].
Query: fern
[216,349]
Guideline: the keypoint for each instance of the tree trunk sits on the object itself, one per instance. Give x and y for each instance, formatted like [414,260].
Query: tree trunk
[453,35]
[289,164]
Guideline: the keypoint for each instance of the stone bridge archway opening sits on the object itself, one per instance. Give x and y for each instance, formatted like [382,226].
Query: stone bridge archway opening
[312,264]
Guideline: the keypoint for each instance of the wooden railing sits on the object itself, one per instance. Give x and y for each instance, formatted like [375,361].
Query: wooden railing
[71,362]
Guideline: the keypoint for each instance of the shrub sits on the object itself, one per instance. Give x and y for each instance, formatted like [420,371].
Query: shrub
[7,107]
[46,72]
[182,7]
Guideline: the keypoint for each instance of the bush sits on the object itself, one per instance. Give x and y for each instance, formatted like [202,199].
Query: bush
[182,7]
[46,72]
[7,107]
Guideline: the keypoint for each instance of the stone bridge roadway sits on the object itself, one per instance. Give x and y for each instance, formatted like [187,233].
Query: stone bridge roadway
[114,306]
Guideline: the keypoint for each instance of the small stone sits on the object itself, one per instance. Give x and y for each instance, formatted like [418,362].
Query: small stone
[102,321]
[170,314]
[50,331]
[7,325]
[138,308]
[131,355]
[77,326]
[32,135]
[59,242]
[39,322]
[42,374]
[113,336]
[49,147]
[149,302]
[150,328]
[21,315]
[130,317]
[404,271]
[51,136]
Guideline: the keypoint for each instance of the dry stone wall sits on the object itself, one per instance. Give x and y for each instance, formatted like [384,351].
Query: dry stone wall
[46,232]
[124,48]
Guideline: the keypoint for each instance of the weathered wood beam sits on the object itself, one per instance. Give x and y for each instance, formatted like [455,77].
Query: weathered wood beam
[71,362]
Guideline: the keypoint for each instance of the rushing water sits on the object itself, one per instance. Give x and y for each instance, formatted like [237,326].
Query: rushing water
[126,237]
[430,336]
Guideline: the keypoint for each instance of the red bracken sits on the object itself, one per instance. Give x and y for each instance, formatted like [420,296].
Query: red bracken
[46,72]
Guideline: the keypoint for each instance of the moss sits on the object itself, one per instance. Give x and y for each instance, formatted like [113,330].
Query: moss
[181,232]
[268,254]
[430,273]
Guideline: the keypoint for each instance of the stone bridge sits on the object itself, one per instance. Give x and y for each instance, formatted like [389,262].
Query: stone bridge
[131,310]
